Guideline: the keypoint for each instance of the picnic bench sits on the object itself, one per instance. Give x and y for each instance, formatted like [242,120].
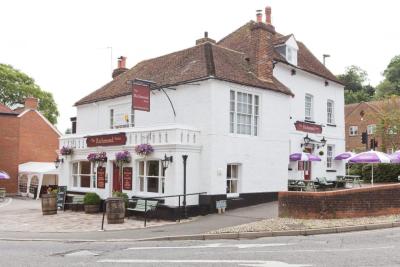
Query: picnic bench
[2,194]
[302,185]
[350,179]
[77,202]
[144,206]
[324,183]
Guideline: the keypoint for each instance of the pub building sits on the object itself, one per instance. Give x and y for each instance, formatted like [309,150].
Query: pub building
[236,116]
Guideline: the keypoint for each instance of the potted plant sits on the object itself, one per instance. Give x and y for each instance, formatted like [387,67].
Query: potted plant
[49,202]
[144,150]
[123,157]
[66,151]
[321,153]
[91,201]
[99,158]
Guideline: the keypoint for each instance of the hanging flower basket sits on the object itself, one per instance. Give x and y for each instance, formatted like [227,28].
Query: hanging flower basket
[321,153]
[123,157]
[97,157]
[144,150]
[66,150]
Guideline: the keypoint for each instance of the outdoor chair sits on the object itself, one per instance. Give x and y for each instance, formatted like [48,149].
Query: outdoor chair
[324,184]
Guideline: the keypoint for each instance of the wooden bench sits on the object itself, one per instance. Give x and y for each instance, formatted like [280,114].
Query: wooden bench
[2,194]
[143,207]
[77,201]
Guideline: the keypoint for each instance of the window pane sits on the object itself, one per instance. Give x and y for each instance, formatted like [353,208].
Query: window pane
[233,96]
[85,181]
[228,170]
[141,168]
[85,167]
[141,184]
[234,171]
[234,186]
[75,168]
[152,185]
[152,168]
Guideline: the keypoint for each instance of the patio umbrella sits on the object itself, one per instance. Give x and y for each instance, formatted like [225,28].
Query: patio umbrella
[345,156]
[395,157]
[371,157]
[4,175]
[302,156]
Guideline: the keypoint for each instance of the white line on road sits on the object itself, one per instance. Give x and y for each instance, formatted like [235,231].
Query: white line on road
[318,250]
[217,245]
[241,262]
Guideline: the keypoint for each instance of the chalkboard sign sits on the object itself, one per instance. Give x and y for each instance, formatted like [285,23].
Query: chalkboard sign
[127,178]
[220,204]
[61,194]
[101,177]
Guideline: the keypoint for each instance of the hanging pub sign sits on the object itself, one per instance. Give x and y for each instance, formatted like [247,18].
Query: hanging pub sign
[106,140]
[127,178]
[140,97]
[308,127]
[101,177]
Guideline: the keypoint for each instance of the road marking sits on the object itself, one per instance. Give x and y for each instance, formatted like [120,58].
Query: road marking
[9,200]
[240,262]
[318,250]
[217,245]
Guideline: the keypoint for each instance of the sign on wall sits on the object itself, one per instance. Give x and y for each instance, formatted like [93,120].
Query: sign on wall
[140,97]
[106,140]
[308,127]
[127,178]
[101,177]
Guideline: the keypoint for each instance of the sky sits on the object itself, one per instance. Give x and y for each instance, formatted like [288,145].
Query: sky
[70,47]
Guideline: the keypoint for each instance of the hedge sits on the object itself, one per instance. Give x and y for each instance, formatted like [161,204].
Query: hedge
[383,173]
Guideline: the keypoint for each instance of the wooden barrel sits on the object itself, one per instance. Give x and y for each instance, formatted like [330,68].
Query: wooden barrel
[115,208]
[49,204]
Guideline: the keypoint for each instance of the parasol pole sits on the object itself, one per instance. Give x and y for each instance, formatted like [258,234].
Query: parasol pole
[372,180]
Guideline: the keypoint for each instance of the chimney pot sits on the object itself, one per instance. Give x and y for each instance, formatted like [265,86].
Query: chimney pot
[268,15]
[121,67]
[259,16]
[205,34]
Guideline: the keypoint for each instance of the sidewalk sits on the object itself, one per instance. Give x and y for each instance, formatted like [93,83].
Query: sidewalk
[198,225]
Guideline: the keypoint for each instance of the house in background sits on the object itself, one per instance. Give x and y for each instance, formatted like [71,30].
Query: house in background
[237,108]
[26,136]
[363,118]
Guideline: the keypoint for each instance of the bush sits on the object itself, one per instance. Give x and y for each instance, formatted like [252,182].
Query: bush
[91,199]
[383,173]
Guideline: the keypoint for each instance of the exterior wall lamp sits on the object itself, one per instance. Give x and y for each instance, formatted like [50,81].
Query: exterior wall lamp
[165,162]
[58,161]
[307,140]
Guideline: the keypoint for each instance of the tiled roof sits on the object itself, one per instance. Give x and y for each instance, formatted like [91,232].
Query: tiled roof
[6,110]
[202,61]
[240,40]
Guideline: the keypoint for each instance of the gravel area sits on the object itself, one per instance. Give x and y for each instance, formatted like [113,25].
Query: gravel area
[284,224]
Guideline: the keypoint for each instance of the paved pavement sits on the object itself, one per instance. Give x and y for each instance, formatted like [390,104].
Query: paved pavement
[198,225]
[371,248]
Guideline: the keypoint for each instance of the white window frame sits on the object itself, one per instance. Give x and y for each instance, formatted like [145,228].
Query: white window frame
[231,179]
[121,117]
[353,130]
[143,178]
[244,115]
[330,110]
[371,128]
[330,150]
[309,107]
[76,177]
[291,55]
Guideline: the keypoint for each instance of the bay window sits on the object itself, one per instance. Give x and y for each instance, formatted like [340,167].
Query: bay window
[82,173]
[244,113]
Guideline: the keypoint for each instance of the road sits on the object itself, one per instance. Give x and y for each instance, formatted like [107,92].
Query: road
[366,248]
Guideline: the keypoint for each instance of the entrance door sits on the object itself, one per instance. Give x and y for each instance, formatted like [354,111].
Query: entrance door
[307,166]
[116,179]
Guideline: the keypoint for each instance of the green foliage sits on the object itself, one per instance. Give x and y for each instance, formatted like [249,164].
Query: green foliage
[383,173]
[122,195]
[15,86]
[91,199]
[355,89]
[391,83]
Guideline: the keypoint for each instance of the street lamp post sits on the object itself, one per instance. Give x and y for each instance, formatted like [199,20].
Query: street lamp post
[184,185]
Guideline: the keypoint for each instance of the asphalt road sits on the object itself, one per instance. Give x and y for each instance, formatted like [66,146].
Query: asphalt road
[366,248]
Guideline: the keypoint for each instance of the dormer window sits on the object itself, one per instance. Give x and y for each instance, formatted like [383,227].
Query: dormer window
[291,55]
[288,49]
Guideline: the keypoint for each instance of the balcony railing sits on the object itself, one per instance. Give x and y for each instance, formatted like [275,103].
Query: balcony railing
[164,135]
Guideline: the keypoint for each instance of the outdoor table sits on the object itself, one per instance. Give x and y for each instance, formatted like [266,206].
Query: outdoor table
[353,179]
[306,185]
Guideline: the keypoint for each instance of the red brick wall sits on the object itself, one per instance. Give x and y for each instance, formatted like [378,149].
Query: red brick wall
[38,141]
[9,136]
[378,200]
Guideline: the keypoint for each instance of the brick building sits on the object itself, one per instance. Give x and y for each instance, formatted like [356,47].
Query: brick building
[363,118]
[25,136]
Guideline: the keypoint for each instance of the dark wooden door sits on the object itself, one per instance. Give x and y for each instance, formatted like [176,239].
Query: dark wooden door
[116,186]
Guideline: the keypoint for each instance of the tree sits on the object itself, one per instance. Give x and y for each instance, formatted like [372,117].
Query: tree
[355,87]
[391,83]
[15,86]
[388,123]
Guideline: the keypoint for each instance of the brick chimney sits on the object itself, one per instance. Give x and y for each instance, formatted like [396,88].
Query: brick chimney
[268,15]
[31,103]
[205,39]
[262,35]
[121,67]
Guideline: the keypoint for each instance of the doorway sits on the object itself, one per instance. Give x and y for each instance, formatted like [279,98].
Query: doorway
[307,165]
[116,181]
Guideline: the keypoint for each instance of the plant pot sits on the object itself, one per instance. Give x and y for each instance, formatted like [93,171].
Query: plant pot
[49,204]
[92,208]
[115,208]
